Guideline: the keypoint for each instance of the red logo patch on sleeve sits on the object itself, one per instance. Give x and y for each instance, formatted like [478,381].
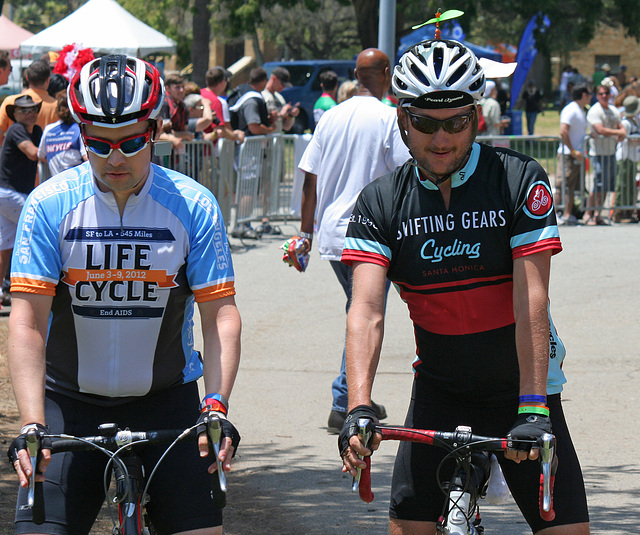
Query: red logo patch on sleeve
[539,201]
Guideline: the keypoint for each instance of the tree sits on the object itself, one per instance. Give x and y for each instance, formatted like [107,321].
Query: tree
[329,32]
[200,43]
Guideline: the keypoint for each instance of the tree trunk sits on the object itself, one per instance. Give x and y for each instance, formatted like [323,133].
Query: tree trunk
[367,20]
[201,38]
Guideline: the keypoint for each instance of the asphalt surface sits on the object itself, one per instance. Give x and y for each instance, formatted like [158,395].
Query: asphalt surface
[287,477]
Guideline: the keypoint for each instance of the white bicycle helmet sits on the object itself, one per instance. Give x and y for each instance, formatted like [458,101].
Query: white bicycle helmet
[438,74]
[115,91]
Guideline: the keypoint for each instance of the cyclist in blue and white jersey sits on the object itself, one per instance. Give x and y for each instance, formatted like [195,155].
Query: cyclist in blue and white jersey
[466,233]
[112,256]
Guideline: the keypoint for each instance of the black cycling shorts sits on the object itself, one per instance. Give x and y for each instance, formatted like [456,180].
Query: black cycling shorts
[415,494]
[180,491]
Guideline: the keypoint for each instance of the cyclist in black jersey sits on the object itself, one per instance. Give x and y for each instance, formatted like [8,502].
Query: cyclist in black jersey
[466,233]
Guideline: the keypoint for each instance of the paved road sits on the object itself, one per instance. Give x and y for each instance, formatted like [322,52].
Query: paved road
[287,477]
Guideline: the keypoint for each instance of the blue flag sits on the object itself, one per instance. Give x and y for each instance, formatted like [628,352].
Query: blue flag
[527,52]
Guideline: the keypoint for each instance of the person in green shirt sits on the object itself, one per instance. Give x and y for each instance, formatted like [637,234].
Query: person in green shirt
[329,85]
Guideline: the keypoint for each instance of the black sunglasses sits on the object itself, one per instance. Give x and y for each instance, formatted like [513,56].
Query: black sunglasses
[454,125]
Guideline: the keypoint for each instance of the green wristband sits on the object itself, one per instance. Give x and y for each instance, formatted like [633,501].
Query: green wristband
[533,409]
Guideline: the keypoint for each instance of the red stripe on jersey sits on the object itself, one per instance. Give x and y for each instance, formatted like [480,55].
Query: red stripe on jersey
[533,248]
[463,312]
[458,283]
[349,256]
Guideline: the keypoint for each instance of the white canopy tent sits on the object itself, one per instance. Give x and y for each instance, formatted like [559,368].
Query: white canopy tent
[106,28]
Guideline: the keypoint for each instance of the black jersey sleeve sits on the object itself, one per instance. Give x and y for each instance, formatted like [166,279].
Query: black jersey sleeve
[534,225]
[367,238]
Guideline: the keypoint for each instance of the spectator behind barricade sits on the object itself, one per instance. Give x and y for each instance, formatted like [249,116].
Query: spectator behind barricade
[247,106]
[5,67]
[284,112]
[57,86]
[565,78]
[606,131]
[567,96]
[622,77]
[347,90]
[627,156]
[200,114]
[353,144]
[600,74]
[191,88]
[573,129]
[614,91]
[491,110]
[532,100]
[217,80]
[18,167]
[61,146]
[503,96]
[630,89]
[37,76]
[249,114]
[329,86]
[174,113]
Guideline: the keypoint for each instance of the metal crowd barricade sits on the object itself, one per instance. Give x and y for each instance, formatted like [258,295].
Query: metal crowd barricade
[598,197]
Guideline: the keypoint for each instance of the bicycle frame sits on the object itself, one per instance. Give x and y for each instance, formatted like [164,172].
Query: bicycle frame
[470,478]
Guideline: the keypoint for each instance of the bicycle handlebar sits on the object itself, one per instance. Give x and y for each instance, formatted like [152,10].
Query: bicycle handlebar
[463,440]
[114,439]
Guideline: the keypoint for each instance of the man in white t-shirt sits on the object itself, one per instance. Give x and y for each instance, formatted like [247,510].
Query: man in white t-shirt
[573,129]
[353,144]
[606,131]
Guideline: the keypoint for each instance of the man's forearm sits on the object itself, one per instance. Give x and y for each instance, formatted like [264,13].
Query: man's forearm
[308,205]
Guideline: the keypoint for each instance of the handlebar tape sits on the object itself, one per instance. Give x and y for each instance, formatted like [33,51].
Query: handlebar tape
[364,489]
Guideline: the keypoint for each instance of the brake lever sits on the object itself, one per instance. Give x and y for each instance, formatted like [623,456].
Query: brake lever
[33,447]
[214,429]
[547,449]
[365,437]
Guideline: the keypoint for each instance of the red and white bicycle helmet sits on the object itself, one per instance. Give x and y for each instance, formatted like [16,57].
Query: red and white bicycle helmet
[114,91]
[438,74]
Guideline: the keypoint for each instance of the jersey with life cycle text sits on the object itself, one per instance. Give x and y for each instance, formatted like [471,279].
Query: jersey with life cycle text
[454,266]
[123,288]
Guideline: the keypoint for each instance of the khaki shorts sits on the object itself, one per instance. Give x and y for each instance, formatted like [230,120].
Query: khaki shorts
[571,178]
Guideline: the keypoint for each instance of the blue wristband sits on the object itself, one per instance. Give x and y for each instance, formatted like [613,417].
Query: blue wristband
[532,398]
[217,397]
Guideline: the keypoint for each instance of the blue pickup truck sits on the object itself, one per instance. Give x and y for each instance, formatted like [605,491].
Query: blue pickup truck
[305,84]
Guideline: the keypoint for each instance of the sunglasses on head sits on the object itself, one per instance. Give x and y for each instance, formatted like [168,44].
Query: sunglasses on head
[427,125]
[129,146]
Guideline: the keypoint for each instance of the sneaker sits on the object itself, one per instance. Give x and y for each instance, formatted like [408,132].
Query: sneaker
[337,418]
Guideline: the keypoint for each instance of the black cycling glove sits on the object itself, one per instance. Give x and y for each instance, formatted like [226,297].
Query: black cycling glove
[228,429]
[528,427]
[350,426]
[20,443]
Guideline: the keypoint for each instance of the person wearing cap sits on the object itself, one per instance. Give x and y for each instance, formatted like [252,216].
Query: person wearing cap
[466,232]
[354,143]
[18,168]
[113,257]
[37,75]
[628,156]
[284,112]
[491,111]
